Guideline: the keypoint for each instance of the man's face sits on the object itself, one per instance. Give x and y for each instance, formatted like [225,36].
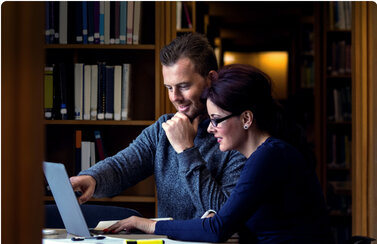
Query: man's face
[185,87]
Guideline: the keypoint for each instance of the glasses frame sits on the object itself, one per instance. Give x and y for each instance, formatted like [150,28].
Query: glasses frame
[216,122]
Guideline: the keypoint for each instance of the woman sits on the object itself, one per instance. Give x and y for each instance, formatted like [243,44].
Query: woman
[277,197]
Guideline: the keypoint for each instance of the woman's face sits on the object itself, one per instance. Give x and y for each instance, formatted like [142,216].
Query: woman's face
[229,133]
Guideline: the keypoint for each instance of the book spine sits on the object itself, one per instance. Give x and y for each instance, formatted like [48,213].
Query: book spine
[85,155]
[47,22]
[63,22]
[179,15]
[63,91]
[56,92]
[78,24]
[123,22]
[137,19]
[126,91]
[79,70]
[48,91]
[55,37]
[52,22]
[187,14]
[90,6]
[117,22]
[87,91]
[130,21]
[78,136]
[112,22]
[99,145]
[107,22]
[101,101]
[96,22]
[84,22]
[117,91]
[94,92]
[109,108]
[92,154]
[102,22]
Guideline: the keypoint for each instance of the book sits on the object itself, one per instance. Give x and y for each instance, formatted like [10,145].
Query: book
[90,6]
[101,100]
[99,145]
[109,106]
[126,91]
[63,91]
[84,22]
[187,15]
[123,22]
[136,24]
[130,21]
[102,22]
[112,22]
[92,154]
[107,22]
[96,22]
[85,155]
[94,92]
[78,22]
[117,22]
[87,91]
[78,80]
[63,22]
[78,135]
[48,92]
[47,22]
[117,91]
[179,15]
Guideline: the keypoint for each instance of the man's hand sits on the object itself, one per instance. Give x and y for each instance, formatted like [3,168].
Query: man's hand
[146,225]
[85,184]
[180,131]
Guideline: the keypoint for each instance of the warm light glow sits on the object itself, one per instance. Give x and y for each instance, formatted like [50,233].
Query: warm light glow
[275,64]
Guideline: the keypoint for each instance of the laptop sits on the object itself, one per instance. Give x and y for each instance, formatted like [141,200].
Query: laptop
[66,201]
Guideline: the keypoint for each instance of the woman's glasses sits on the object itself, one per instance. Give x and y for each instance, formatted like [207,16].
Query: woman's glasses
[215,122]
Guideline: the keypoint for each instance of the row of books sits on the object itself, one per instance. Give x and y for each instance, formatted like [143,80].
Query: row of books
[98,22]
[339,151]
[340,104]
[183,15]
[100,91]
[339,61]
[87,153]
[340,15]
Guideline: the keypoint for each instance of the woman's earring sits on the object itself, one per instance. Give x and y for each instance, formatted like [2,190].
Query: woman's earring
[245,127]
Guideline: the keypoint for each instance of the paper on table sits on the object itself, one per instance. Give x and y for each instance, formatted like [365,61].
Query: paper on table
[107,223]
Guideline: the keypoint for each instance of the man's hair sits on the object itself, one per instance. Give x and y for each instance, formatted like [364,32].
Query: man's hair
[193,46]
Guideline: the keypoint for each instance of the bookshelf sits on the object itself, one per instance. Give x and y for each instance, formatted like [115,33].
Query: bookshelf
[337,116]
[144,108]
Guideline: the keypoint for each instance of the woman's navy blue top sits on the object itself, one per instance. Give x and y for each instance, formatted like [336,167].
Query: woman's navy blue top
[277,197]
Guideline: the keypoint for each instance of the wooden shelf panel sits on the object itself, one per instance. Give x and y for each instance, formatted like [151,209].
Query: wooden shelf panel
[99,122]
[135,199]
[100,46]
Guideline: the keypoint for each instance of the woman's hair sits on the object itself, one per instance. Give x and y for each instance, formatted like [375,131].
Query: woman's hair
[240,87]
[193,46]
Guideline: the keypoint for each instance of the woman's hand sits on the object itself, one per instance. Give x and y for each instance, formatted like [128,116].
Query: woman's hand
[131,223]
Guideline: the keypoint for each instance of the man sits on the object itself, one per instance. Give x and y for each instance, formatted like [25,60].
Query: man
[192,175]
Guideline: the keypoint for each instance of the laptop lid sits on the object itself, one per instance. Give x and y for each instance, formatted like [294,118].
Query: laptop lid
[65,199]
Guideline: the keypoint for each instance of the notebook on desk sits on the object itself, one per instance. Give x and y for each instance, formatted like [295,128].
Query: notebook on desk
[65,198]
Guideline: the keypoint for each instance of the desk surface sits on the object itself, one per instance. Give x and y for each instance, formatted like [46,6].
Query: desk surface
[61,236]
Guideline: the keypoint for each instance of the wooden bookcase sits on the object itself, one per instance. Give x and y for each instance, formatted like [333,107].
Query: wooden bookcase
[336,119]
[146,94]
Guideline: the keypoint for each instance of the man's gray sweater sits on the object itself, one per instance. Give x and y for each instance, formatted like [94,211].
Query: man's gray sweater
[188,183]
